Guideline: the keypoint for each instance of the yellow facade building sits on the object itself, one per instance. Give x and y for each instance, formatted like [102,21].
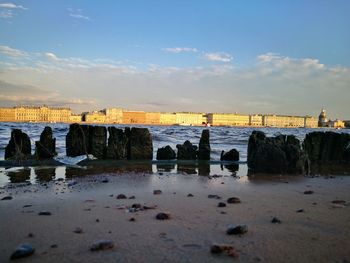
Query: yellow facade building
[152,118]
[7,114]
[190,118]
[94,117]
[167,118]
[134,117]
[228,119]
[114,115]
[76,118]
[286,121]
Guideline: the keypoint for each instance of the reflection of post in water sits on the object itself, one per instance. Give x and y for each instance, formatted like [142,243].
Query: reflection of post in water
[233,168]
[19,176]
[165,167]
[204,168]
[45,174]
[186,168]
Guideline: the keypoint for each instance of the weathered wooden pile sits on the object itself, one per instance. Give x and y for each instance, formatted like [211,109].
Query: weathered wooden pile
[283,154]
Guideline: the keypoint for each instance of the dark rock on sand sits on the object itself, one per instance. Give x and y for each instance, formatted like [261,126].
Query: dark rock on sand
[78,230]
[190,195]
[44,213]
[204,146]
[233,200]
[275,220]
[224,248]
[19,146]
[166,153]
[186,151]
[300,211]
[45,148]
[236,230]
[308,192]
[102,245]
[214,197]
[281,154]
[231,155]
[157,192]
[9,197]
[23,250]
[121,196]
[221,204]
[163,216]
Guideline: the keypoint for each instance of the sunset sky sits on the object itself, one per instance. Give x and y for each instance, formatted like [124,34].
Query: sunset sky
[284,57]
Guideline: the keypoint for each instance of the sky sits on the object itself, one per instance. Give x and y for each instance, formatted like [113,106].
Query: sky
[282,57]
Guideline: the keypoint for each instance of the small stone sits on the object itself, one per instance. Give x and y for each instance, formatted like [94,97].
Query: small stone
[275,220]
[157,192]
[23,250]
[221,204]
[190,195]
[223,213]
[300,211]
[233,200]
[214,197]
[101,245]
[132,197]
[339,202]
[44,213]
[163,216]
[236,230]
[132,219]
[54,246]
[105,180]
[121,196]
[72,183]
[224,248]
[136,206]
[30,235]
[97,220]
[25,206]
[78,230]
[9,197]
[308,192]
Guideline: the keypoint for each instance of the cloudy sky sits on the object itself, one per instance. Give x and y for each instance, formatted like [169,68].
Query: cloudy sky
[284,57]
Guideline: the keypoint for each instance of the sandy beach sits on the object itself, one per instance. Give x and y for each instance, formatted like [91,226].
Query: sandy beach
[312,228]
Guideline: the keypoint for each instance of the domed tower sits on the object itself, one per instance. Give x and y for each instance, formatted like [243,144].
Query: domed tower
[322,119]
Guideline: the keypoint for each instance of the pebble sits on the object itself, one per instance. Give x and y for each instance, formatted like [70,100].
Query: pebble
[102,245]
[121,196]
[105,180]
[78,230]
[236,230]
[54,246]
[233,200]
[9,197]
[97,220]
[44,213]
[157,192]
[132,219]
[27,206]
[308,192]
[300,211]
[214,197]
[190,195]
[224,248]
[23,250]
[275,220]
[132,197]
[136,206]
[221,204]
[71,183]
[339,202]
[163,216]
[30,235]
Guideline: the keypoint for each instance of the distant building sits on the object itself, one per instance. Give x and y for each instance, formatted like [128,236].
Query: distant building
[134,117]
[113,115]
[322,119]
[152,118]
[167,118]
[75,118]
[94,117]
[190,118]
[228,119]
[35,114]
[336,124]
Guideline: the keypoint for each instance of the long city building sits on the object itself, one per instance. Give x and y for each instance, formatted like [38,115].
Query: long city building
[121,116]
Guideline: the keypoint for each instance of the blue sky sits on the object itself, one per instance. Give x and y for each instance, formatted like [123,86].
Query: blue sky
[249,50]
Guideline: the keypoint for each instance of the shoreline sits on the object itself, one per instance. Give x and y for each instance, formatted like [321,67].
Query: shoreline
[318,234]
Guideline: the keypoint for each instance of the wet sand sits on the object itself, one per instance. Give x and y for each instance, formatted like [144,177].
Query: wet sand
[321,233]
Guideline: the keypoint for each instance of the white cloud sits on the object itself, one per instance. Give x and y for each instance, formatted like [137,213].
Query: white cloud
[77,13]
[220,56]
[12,6]
[6,14]
[274,84]
[11,52]
[180,49]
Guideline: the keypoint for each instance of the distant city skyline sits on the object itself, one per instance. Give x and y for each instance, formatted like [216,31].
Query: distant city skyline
[282,57]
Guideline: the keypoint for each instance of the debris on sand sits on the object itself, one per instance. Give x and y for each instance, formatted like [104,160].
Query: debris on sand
[236,230]
[102,245]
[163,216]
[224,248]
[23,250]
[233,200]
[275,220]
